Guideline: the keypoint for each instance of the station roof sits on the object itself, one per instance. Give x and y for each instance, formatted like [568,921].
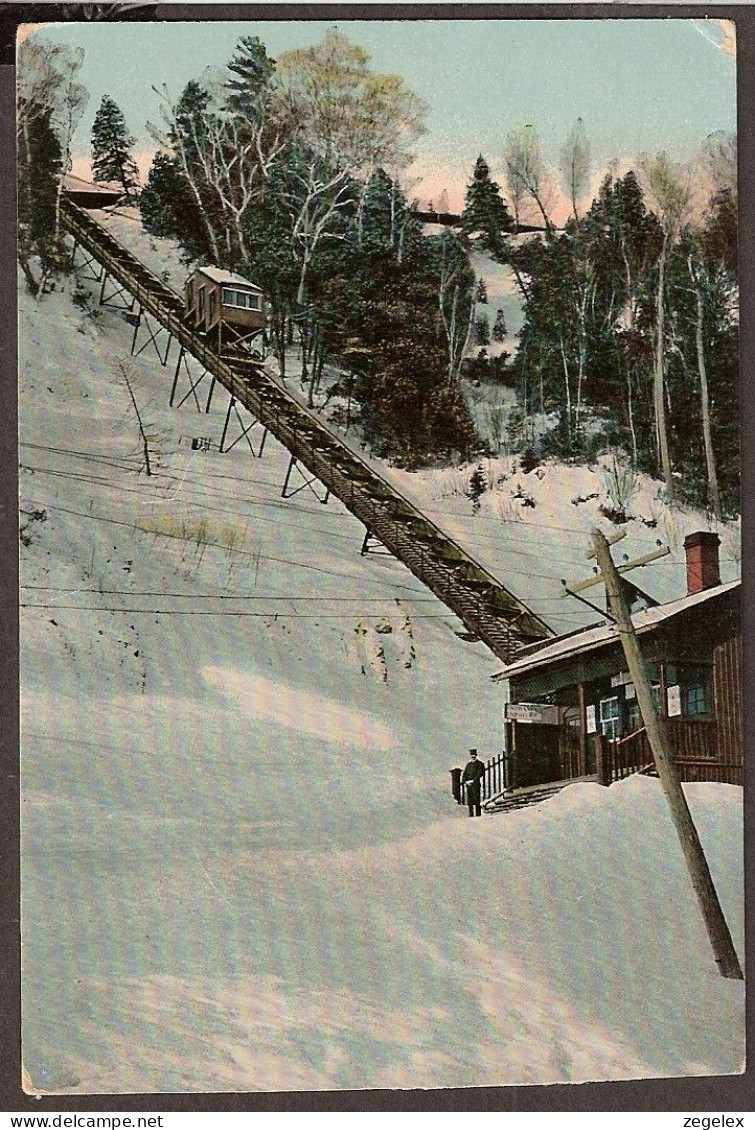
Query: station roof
[591,638]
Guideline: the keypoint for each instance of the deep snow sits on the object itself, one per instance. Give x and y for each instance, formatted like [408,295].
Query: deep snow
[242,868]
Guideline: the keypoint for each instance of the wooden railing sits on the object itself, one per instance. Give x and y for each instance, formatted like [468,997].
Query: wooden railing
[693,746]
[493,780]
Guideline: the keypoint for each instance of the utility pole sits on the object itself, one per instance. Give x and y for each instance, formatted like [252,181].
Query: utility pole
[718,931]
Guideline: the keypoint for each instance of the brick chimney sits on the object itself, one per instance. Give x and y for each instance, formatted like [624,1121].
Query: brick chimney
[702,562]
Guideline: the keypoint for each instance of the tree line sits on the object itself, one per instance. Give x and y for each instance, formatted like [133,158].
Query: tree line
[293,172]
[631,319]
[290,172]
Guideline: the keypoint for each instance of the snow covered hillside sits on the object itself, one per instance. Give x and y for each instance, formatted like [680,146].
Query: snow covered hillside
[532,528]
[242,867]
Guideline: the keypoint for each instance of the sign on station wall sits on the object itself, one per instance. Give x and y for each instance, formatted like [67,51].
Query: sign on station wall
[674,696]
[592,723]
[538,712]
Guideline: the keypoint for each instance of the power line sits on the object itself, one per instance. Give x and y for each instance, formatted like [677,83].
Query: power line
[218,596]
[202,612]
[244,553]
[283,560]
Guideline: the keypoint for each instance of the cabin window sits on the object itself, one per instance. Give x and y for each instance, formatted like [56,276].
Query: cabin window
[696,701]
[634,718]
[571,725]
[200,301]
[610,718]
[213,305]
[694,681]
[242,299]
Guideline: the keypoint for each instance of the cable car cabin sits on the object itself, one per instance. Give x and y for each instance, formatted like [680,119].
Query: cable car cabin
[222,300]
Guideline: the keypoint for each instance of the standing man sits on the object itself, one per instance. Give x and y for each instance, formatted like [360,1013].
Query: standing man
[472,776]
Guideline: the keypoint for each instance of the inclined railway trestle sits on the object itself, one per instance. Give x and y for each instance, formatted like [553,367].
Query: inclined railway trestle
[155,329]
[183,368]
[306,482]
[87,267]
[117,297]
[245,430]
[317,457]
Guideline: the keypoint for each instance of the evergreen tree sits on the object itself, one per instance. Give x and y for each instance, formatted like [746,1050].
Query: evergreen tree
[252,68]
[477,487]
[485,213]
[499,327]
[40,163]
[111,148]
[377,311]
[168,208]
[49,103]
[385,221]
[482,330]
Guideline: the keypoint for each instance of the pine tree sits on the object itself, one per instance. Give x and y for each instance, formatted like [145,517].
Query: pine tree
[168,208]
[499,327]
[40,163]
[485,213]
[482,329]
[111,148]
[477,487]
[252,69]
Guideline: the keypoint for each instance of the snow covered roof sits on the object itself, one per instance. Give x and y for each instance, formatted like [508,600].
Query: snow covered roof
[104,188]
[228,278]
[590,638]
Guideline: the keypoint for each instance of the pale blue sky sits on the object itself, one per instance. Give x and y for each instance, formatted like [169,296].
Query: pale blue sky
[638,84]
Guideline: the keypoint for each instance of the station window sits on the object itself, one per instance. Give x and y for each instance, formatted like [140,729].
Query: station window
[610,718]
[694,680]
[696,701]
[241,299]
[634,718]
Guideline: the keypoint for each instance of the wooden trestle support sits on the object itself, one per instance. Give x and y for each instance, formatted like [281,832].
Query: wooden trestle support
[487,609]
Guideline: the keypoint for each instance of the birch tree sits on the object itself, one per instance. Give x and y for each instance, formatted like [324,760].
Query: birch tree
[575,164]
[697,273]
[50,102]
[456,300]
[525,171]
[346,122]
[182,133]
[669,187]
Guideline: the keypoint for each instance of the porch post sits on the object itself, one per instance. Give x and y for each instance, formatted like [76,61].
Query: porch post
[513,765]
[508,754]
[582,704]
[604,773]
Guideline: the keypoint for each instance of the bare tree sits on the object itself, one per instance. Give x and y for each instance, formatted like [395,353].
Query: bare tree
[224,152]
[525,171]
[669,187]
[575,163]
[695,272]
[346,121]
[456,301]
[72,103]
[183,134]
[719,155]
[47,90]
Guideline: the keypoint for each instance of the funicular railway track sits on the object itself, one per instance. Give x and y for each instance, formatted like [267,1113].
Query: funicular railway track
[487,609]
